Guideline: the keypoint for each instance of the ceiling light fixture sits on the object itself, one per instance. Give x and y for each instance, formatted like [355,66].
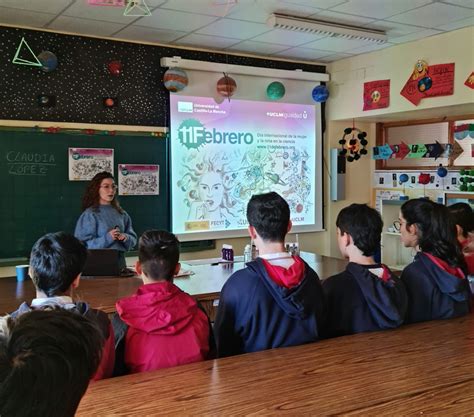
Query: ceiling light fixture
[321,27]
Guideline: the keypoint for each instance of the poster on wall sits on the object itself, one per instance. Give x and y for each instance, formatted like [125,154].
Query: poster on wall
[429,81]
[84,163]
[376,95]
[138,179]
[470,81]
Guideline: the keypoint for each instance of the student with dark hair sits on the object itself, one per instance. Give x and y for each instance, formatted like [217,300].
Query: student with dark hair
[436,281]
[103,224]
[161,325]
[47,359]
[56,262]
[463,217]
[277,299]
[367,296]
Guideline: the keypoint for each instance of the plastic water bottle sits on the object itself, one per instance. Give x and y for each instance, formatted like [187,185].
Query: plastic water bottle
[247,253]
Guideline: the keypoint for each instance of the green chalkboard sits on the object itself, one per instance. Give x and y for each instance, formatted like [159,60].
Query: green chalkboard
[37,196]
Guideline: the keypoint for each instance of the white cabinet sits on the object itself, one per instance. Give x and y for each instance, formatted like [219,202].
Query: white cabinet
[394,254]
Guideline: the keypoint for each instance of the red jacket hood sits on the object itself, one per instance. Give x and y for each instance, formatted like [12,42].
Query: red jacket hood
[158,308]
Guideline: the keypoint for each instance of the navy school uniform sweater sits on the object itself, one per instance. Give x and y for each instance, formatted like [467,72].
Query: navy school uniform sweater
[357,301]
[256,314]
[433,292]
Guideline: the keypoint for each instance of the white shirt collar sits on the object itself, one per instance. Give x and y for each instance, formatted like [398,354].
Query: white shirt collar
[59,300]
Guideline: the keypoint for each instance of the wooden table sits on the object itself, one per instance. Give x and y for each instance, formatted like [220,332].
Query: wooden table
[422,369]
[205,285]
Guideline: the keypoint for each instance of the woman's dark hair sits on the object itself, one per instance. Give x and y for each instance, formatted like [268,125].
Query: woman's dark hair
[91,196]
[436,230]
[364,224]
[463,216]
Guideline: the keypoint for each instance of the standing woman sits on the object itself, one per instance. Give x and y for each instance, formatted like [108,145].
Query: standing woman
[103,224]
[436,279]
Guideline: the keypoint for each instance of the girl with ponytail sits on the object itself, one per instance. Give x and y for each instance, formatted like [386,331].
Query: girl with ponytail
[436,279]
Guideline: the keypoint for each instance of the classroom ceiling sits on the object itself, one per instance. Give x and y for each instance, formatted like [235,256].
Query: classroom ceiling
[240,25]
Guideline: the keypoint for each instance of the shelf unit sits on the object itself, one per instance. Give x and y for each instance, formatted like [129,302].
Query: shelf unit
[394,254]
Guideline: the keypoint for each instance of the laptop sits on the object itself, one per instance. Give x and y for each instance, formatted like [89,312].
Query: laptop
[101,262]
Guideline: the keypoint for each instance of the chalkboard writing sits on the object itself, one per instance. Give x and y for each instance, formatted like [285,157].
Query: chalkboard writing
[37,196]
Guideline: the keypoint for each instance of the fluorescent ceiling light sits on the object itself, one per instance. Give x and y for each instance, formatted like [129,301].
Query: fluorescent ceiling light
[320,27]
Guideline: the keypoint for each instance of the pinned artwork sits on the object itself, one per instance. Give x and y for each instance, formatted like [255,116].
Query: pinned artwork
[25,56]
[48,60]
[352,145]
[175,80]
[463,131]
[418,150]
[275,90]
[114,68]
[320,93]
[376,95]
[226,86]
[429,81]
[110,102]
[470,81]
[137,8]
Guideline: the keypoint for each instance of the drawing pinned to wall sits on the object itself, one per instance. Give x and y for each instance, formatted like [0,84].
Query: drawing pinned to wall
[48,60]
[376,95]
[137,8]
[115,68]
[417,151]
[470,81]
[25,56]
[464,131]
[138,179]
[429,81]
[84,163]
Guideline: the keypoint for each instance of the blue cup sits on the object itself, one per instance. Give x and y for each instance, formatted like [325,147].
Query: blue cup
[22,272]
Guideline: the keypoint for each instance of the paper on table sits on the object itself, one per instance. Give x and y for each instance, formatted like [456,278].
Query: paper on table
[184,273]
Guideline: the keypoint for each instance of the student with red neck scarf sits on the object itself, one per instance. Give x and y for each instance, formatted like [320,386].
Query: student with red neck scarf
[436,280]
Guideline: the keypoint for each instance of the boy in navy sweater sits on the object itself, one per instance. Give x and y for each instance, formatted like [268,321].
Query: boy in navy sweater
[366,296]
[277,299]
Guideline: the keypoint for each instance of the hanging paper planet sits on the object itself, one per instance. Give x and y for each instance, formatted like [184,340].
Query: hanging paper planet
[226,86]
[48,60]
[424,179]
[115,68]
[425,84]
[442,171]
[320,93]
[403,178]
[275,90]
[175,79]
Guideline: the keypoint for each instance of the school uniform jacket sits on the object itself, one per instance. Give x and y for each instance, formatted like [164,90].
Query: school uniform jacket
[433,292]
[106,365]
[358,300]
[255,313]
[164,328]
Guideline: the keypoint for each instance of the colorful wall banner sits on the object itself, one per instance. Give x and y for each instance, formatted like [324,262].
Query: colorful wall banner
[417,150]
[376,95]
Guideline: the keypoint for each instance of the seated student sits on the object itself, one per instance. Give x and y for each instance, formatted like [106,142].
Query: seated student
[277,299]
[56,262]
[436,282]
[366,296]
[464,218]
[47,359]
[164,325]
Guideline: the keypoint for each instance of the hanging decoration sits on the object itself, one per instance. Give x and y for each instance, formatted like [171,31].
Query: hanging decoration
[226,86]
[376,95]
[110,102]
[175,80]
[429,81]
[48,60]
[275,90]
[114,68]
[113,3]
[418,150]
[424,178]
[20,59]
[320,93]
[137,8]
[470,81]
[352,148]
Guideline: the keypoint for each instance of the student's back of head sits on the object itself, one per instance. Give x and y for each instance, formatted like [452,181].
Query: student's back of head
[55,262]
[364,224]
[463,216]
[269,214]
[46,361]
[158,253]
[435,230]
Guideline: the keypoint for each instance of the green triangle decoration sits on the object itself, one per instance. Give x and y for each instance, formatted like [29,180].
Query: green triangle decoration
[20,61]
[137,8]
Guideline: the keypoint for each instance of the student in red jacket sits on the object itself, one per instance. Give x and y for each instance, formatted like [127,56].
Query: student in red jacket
[164,326]
[56,262]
